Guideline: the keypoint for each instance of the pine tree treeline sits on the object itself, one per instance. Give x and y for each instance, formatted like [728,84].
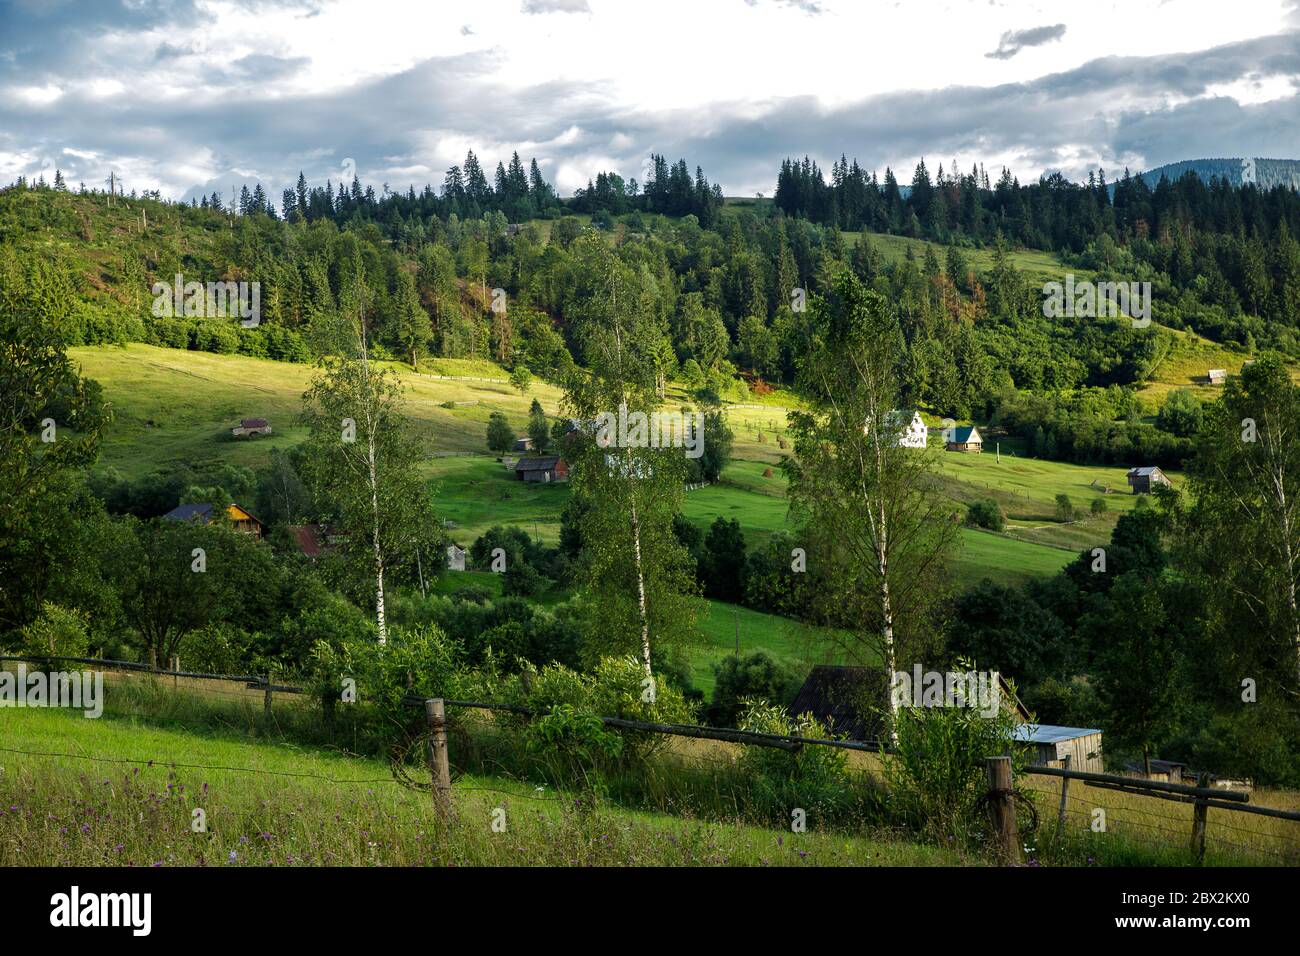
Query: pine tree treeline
[670,190]
[1052,213]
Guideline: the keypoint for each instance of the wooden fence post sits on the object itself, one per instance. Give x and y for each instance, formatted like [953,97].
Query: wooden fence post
[1200,810]
[1002,810]
[439,766]
[266,701]
[1065,789]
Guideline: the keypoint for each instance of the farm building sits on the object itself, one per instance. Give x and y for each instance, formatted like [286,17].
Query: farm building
[523,443]
[542,470]
[853,701]
[242,520]
[1050,745]
[1144,480]
[845,700]
[965,438]
[251,426]
[1217,376]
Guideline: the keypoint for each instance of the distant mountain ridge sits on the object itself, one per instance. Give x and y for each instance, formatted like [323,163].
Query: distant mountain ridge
[1237,171]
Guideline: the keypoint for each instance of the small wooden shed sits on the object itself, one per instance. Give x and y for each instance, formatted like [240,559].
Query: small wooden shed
[455,558]
[1144,480]
[542,470]
[1049,745]
[1217,376]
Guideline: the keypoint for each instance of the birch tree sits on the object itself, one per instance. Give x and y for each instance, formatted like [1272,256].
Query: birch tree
[1242,534]
[361,458]
[638,577]
[865,505]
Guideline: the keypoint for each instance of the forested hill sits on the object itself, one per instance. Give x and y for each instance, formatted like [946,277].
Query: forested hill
[718,282]
[1238,171]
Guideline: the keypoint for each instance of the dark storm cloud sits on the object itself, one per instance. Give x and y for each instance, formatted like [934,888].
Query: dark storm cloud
[1013,41]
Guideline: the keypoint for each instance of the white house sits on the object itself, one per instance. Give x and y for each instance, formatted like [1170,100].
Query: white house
[911,434]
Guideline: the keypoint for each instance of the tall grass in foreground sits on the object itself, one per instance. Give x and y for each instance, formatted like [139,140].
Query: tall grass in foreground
[59,811]
[704,784]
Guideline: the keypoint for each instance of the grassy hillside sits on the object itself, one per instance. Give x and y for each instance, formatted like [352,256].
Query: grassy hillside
[172,405]
[1186,364]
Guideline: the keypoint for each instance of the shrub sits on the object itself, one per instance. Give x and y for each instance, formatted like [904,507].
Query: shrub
[755,676]
[57,631]
[985,514]
[614,688]
[1098,506]
[814,779]
[1064,508]
[576,744]
[937,774]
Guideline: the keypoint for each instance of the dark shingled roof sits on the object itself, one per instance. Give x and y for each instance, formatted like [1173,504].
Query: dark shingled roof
[962,435]
[848,700]
[254,423]
[537,464]
[189,513]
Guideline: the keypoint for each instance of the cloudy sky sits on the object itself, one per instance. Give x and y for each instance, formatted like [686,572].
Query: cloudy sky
[187,96]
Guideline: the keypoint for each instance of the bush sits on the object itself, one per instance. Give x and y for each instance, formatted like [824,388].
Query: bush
[576,744]
[937,774]
[755,676]
[57,632]
[1064,508]
[813,779]
[421,660]
[615,688]
[1098,506]
[985,514]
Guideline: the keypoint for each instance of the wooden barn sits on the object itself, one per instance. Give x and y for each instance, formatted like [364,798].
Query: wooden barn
[965,438]
[1144,480]
[251,426]
[523,443]
[1050,745]
[1217,376]
[542,470]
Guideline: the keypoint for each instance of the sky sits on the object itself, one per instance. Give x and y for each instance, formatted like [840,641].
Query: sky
[191,96]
